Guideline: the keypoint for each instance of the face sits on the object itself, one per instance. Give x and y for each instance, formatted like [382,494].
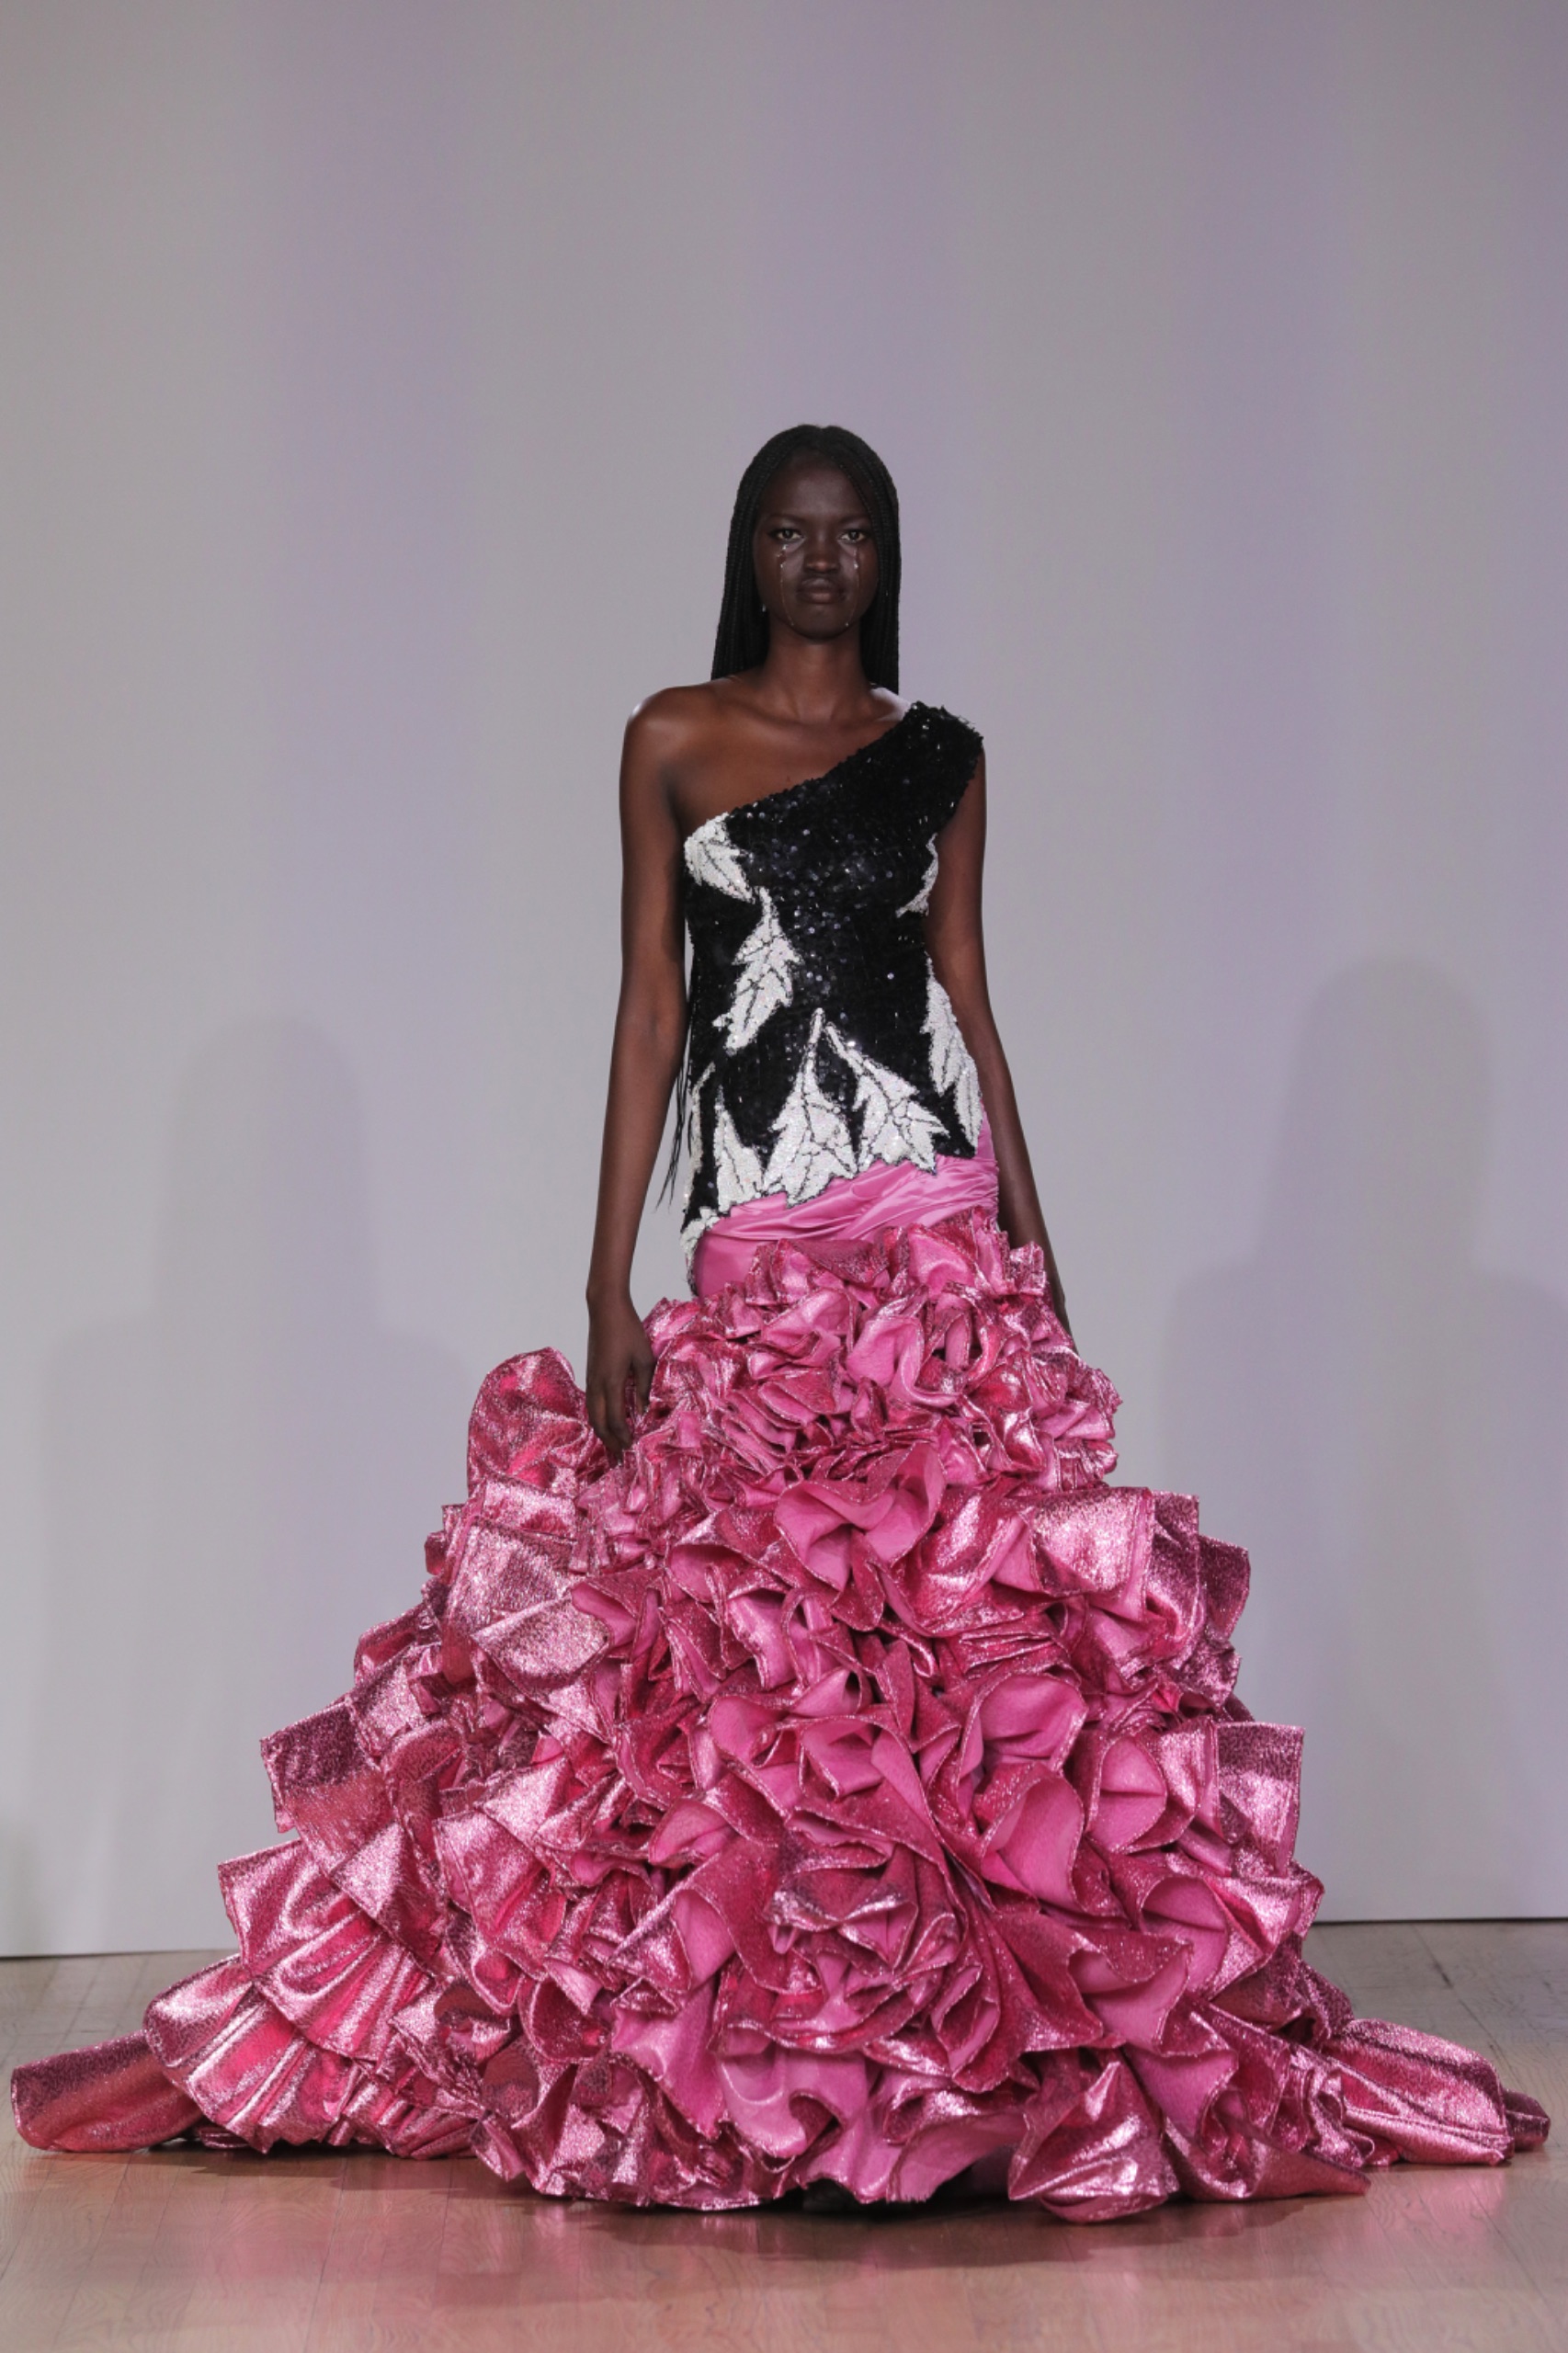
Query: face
[815,558]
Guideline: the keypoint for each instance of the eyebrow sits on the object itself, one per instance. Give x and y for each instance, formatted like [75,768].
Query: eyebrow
[792,515]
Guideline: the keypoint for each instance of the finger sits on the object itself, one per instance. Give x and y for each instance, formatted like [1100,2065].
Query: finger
[600,1417]
[607,1439]
[642,1379]
[616,1436]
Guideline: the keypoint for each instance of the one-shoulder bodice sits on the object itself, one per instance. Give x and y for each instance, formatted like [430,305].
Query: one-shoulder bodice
[821,1042]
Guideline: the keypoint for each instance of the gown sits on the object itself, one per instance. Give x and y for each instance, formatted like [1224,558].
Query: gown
[849,1786]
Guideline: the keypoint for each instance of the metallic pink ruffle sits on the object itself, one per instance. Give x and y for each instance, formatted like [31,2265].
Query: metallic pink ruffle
[847,1786]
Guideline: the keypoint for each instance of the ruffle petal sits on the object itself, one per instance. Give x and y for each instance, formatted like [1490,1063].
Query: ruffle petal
[111,2095]
[846,1786]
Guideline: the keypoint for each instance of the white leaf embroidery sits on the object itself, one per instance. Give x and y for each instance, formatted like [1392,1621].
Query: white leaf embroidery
[921,899]
[967,1102]
[762,983]
[694,1124]
[737,1169]
[952,1066]
[712,856]
[894,1124]
[813,1143]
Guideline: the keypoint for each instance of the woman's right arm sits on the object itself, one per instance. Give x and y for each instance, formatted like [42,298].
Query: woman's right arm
[650,1030]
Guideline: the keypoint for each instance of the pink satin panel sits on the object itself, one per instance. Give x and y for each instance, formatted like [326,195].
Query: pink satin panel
[851,1208]
[846,1786]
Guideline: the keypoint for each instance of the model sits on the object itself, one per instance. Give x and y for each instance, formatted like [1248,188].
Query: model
[802,1771]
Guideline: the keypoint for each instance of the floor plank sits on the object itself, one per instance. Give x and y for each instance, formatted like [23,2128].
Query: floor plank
[325,2252]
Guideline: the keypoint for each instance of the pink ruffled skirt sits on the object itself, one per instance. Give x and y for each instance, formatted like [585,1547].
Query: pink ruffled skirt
[847,1786]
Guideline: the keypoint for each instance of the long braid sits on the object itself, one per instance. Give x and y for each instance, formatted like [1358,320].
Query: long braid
[741,639]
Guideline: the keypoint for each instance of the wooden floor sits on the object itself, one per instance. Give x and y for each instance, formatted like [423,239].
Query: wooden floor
[300,2254]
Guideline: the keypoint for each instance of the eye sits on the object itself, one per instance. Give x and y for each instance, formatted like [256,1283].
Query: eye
[784,531]
[856,533]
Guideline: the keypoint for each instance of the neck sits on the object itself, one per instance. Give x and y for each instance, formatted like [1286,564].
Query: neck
[816,683]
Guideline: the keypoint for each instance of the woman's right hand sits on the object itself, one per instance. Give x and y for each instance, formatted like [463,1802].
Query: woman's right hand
[619,1360]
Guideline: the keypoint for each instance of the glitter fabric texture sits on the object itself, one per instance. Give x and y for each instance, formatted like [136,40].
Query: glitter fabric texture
[847,1786]
[822,1043]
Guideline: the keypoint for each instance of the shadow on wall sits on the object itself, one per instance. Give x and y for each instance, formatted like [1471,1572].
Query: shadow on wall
[1382,1423]
[21,1897]
[241,1483]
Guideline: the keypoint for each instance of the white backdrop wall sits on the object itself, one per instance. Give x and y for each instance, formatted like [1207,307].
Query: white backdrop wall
[376,381]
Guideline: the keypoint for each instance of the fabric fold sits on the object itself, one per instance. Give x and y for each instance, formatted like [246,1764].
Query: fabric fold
[846,1785]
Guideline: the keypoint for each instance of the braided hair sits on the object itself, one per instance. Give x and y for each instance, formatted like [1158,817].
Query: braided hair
[742,642]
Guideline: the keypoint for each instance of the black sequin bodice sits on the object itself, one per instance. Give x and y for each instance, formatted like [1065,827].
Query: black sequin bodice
[821,1042]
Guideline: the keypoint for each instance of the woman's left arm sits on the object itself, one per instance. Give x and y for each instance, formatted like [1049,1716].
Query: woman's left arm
[956,940]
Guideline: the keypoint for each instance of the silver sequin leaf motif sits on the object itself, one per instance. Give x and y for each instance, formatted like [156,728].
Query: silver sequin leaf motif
[952,1066]
[921,899]
[763,982]
[694,1120]
[813,1142]
[711,857]
[737,1169]
[894,1124]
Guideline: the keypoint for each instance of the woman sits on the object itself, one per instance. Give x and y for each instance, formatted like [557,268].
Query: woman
[802,1771]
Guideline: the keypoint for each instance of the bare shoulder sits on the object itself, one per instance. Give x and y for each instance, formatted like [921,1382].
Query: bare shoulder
[671,726]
